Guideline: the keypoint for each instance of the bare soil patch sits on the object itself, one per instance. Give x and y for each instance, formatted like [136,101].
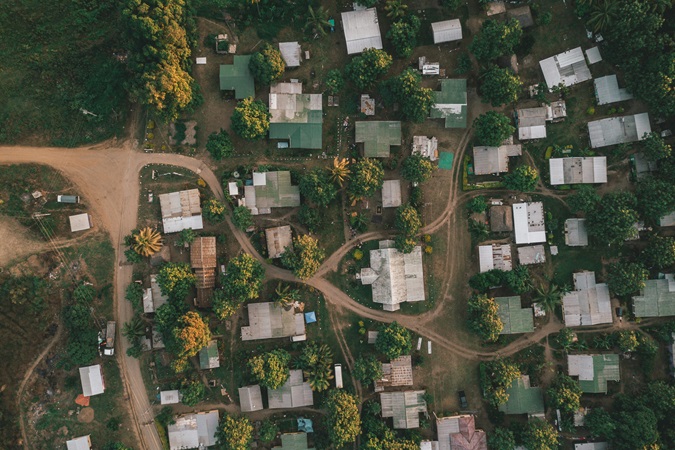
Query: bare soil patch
[16,242]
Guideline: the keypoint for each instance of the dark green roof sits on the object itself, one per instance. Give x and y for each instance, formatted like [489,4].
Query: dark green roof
[237,77]
[450,103]
[378,137]
[515,318]
[523,399]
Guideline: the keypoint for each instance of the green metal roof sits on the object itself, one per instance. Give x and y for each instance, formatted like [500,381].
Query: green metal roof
[237,77]
[378,137]
[277,192]
[299,135]
[450,103]
[296,117]
[523,399]
[515,318]
[657,298]
[208,356]
[293,441]
[605,368]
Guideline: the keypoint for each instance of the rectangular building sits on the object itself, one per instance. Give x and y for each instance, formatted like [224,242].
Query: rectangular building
[578,170]
[588,304]
[528,222]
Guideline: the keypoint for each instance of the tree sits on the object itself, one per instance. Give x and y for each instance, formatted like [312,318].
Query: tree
[501,439]
[603,15]
[82,352]
[635,429]
[224,306]
[417,168]
[599,423]
[565,339]
[242,218]
[191,335]
[285,296]
[134,329]
[654,148]
[499,86]
[367,177]
[518,280]
[310,218]
[316,21]
[565,394]
[335,82]
[146,242]
[484,319]
[479,231]
[251,119]
[84,293]
[395,9]
[492,128]
[268,431]
[660,252]
[270,369]
[612,221]
[234,433]
[406,90]
[584,199]
[540,435]
[365,69]
[132,256]
[220,145]
[656,198]
[625,278]
[404,243]
[393,340]
[343,420]
[367,369]
[243,280]
[305,257]
[192,391]
[550,297]
[176,279]
[186,237]
[495,39]
[495,377]
[316,362]
[116,446]
[407,220]
[317,187]
[213,210]
[134,294]
[340,171]
[627,341]
[522,178]
[267,65]
[477,204]
[403,35]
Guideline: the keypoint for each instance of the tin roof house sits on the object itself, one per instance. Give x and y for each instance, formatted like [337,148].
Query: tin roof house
[594,371]
[295,393]
[656,299]
[460,433]
[618,130]
[567,68]
[270,321]
[528,222]
[578,170]
[181,210]
[237,77]
[450,103]
[193,430]
[607,90]
[494,160]
[588,303]
[404,407]
[295,117]
[362,30]
[378,137]
[447,31]
[271,190]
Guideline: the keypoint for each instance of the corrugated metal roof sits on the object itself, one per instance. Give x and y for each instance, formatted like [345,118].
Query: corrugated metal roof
[460,433]
[607,90]
[181,210]
[450,103]
[208,356]
[169,397]
[391,193]
[91,380]
[295,116]
[495,256]
[515,318]
[193,430]
[426,147]
[293,441]
[568,68]
[79,222]
[522,14]
[361,30]
[295,393]
[617,130]
[237,77]
[276,192]
[531,254]
[291,53]
[278,238]
[656,299]
[576,234]
[523,399]
[268,321]
[578,170]
[398,372]
[594,371]
[492,160]
[404,407]
[250,398]
[593,55]
[447,31]
[79,443]
[378,137]
[588,304]
[668,220]
[485,258]
[591,446]
[528,222]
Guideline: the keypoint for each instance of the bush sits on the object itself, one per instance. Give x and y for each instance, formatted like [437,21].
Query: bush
[365,69]
[477,204]
[213,210]
[220,145]
[267,65]
[251,119]
[134,294]
[464,64]
[492,128]
[310,218]
[335,82]
[242,217]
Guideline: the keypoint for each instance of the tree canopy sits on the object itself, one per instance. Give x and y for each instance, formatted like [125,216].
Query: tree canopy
[522,178]
[660,252]
[242,217]
[584,199]
[625,278]
[367,177]
[417,168]
[251,119]
[305,257]
[176,279]
[501,439]
[191,334]
[612,221]
[223,305]
[599,423]
[492,128]
[541,435]
[655,148]
[495,377]
[407,220]
[393,340]
[403,35]
[565,394]
[234,433]
[267,65]
[406,90]
[317,187]
[244,278]
[367,369]
[656,198]
[271,369]
[366,68]
[343,419]
[219,145]
[499,86]
[495,39]
[484,319]
[334,81]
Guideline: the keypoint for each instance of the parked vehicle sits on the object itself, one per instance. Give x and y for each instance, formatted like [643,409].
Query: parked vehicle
[462,400]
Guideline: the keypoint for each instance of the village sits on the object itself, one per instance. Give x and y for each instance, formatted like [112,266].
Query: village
[383,225]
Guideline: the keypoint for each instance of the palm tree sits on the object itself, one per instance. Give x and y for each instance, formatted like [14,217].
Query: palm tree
[479,231]
[603,14]
[603,341]
[133,329]
[147,242]
[549,298]
[580,345]
[285,295]
[340,171]
[317,20]
[319,377]
[395,9]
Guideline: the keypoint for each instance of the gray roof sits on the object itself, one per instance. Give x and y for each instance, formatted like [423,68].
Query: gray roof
[424,146]
[578,170]
[607,90]
[267,321]
[208,356]
[181,210]
[92,380]
[447,31]
[169,397]
[593,55]
[193,430]
[250,398]
[591,446]
[514,317]
[643,166]
[295,116]
[501,218]
[398,372]
[656,299]
[594,371]
[529,223]
[568,68]
[278,238]
[391,193]
[617,130]
[378,137]
[362,30]
[79,222]
[79,443]
[492,160]
[293,441]
[576,234]
[396,277]
[271,190]
[588,303]
[295,393]
[522,14]
[403,407]
[523,398]
[531,122]
[668,220]
[290,52]
[495,256]
[450,103]
[531,254]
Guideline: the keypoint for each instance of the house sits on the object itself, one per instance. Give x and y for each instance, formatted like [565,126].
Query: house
[295,393]
[567,68]
[656,299]
[588,303]
[80,222]
[362,30]
[578,170]
[233,189]
[528,221]
[396,373]
[495,256]
[293,441]
[209,357]
[92,380]
[169,397]
[271,190]
[591,446]
[494,160]
[531,122]
[391,194]
[396,277]
[79,443]
[531,254]
[295,117]
[607,90]
[522,14]
[278,239]
[158,298]
[193,430]
[523,398]
[501,219]
[181,210]
[250,398]
[450,103]
[377,137]
[424,146]
[668,220]
[291,53]
[594,371]
[269,321]
[429,67]
[447,31]
[404,407]
[515,318]
[203,261]
[618,130]
[148,305]
[460,433]
[237,77]
[643,166]
[576,234]
[593,55]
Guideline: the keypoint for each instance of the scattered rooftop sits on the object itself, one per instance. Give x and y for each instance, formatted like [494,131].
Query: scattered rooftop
[523,398]
[295,393]
[528,220]
[493,160]
[169,397]
[404,407]
[79,443]
[495,256]
[391,193]
[203,260]
[447,31]
[594,371]
[588,303]
[591,446]
[291,52]
[568,68]
[450,103]
[398,372]
[208,356]
[271,190]
[578,170]
[424,146]
[278,238]
[293,441]
[268,321]
[656,299]
[460,433]
[79,222]
[250,398]
[531,254]
[501,218]
[617,130]
[362,30]
[92,380]
[515,318]
[193,430]
[378,137]
[295,116]
[522,14]
[181,210]
[576,234]
[607,90]
[237,77]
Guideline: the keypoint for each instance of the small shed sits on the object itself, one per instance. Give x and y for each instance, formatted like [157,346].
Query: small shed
[291,53]
[576,234]
[250,398]
[80,222]
[391,194]
[531,254]
[233,188]
[593,55]
[208,356]
[501,219]
[169,397]
[447,31]
[522,14]
[367,105]
[79,443]
[92,380]
[428,147]
[278,239]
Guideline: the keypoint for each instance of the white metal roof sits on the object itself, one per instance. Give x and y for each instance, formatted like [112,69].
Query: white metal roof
[528,223]
[576,234]
[250,398]
[391,193]
[668,220]
[169,397]
[495,256]
[362,30]
[181,210]
[447,31]
[485,258]
[607,90]
[568,68]
[92,380]
[617,130]
[593,55]
[79,443]
[295,393]
[148,306]
[591,446]
[232,188]
[79,222]
[588,303]
[578,170]
[259,178]
[290,52]
[193,430]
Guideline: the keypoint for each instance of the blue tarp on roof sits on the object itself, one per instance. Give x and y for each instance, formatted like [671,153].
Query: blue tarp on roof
[305,424]
[310,317]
